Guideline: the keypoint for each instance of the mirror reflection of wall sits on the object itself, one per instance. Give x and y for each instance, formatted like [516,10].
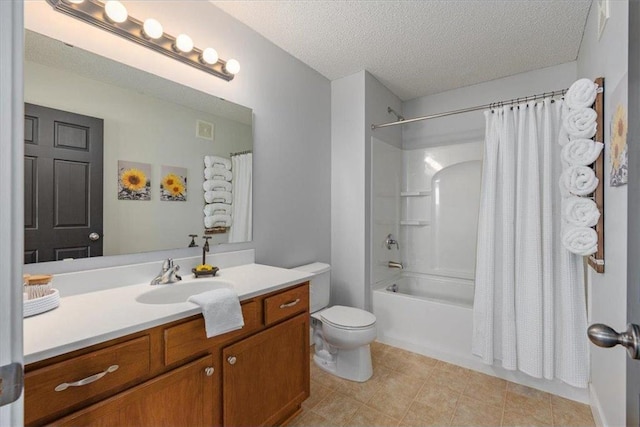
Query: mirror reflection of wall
[139,126]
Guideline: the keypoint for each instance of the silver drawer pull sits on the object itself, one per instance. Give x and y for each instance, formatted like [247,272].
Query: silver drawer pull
[209,370]
[290,304]
[232,360]
[88,380]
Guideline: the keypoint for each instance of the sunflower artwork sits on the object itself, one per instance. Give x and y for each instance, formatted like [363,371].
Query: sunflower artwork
[173,186]
[619,128]
[133,181]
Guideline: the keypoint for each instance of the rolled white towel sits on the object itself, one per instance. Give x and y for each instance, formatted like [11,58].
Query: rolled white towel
[581,152]
[580,211]
[580,240]
[580,123]
[581,94]
[217,208]
[217,196]
[211,161]
[217,221]
[579,180]
[216,184]
[217,172]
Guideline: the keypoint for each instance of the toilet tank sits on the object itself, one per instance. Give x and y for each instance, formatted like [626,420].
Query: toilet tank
[319,284]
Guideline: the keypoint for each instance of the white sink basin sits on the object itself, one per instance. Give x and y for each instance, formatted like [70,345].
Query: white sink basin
[181,291]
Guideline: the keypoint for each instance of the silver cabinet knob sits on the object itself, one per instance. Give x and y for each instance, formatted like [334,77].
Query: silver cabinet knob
[605,336]
[94,236]
[232,360]
[209,370]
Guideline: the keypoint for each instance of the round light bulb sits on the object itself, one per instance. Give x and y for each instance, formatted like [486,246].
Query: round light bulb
[75,1]
[184,43]
[232,66]
[152,28]
[116,11]
[209,55]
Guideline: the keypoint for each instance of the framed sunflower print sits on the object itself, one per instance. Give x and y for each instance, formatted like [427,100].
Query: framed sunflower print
[134,180]
[619,126]
[173,184]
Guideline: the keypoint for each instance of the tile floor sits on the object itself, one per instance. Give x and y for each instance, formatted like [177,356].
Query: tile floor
[408,389]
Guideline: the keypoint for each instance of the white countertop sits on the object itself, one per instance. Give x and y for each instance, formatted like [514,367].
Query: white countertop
[90,318]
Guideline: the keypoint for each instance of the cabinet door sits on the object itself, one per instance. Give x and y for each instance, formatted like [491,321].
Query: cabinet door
[266,376]
[181,397]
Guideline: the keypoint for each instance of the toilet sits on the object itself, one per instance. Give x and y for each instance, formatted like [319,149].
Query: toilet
[341,334]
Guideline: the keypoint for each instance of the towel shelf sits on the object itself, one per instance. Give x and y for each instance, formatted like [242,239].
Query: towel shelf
[596,261]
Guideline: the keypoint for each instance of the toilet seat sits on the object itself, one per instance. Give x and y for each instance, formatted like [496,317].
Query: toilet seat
[348,318]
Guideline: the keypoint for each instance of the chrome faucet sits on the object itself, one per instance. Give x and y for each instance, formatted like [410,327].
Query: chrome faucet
[168,274]
[394,264]
[390,241]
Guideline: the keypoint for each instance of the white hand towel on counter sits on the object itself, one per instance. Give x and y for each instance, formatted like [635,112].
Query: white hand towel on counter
[221,311]
[581,151]
[580,211]
[216,184]
[217,208]
[217,196]
[217,220]
[217,172]
[580,123]
[211,161]
[581,94]
[579,180]
[580,240]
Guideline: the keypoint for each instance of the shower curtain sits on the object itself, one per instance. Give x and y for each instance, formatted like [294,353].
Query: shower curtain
[241,209]
[529,307]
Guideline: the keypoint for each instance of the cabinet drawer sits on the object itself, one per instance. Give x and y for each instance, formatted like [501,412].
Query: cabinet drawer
[188,339]
[286,304]
[99,373]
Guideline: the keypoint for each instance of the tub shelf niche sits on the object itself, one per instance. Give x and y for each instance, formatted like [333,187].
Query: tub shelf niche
[415,193]
[417,222]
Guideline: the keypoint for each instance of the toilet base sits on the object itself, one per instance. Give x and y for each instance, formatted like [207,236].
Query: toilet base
[353,364]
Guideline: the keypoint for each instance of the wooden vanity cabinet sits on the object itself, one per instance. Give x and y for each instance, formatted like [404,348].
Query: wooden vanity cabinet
[173,375]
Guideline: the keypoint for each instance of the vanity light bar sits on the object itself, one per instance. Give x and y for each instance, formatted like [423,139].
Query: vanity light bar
[93,12]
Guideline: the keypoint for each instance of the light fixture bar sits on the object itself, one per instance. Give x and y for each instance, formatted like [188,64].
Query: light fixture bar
[92,12]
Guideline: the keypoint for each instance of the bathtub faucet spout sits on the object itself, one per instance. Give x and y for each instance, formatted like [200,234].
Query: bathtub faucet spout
[393,264]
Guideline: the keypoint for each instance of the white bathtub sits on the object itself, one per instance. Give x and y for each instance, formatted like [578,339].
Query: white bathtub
[431,315]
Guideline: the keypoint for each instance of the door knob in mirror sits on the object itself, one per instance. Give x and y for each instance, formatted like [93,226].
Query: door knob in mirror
[94,236]
[605,336]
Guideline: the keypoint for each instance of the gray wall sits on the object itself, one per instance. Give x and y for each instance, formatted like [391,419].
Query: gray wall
[357,101]
[291,105]
[607,58]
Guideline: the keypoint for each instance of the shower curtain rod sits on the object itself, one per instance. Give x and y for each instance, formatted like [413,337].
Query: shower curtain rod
[479,107]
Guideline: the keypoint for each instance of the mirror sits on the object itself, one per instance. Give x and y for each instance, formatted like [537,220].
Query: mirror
[152,128]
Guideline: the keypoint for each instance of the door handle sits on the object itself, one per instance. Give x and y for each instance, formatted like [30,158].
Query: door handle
[94,236]
[605,336]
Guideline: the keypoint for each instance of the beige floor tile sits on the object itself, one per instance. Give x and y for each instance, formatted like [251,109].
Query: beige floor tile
[447,379]
[325,378]
[395,394]
[337,408]
[569,413]
[486,388]
[395,358]
[449,367]
[362,391]
[423,415]
[472,412]
[527,391]
[526,410]
[369,417]
[310,419]
[438,397]
[318,392]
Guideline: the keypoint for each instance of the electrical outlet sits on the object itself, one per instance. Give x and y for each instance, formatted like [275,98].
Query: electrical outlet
[204,130]
[603,15]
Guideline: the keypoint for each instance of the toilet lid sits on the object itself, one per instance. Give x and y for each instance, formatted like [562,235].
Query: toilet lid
[348,317]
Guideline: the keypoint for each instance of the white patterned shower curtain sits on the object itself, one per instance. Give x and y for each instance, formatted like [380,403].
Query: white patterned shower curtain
[241,208]
[529,309]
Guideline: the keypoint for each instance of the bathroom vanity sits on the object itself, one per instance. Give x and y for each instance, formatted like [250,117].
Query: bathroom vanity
[170,373]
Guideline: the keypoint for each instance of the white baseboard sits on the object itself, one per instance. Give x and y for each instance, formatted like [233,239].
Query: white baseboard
[470,362]
[596,407]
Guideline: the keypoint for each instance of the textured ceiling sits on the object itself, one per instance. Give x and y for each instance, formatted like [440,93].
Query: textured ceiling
[417,48]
